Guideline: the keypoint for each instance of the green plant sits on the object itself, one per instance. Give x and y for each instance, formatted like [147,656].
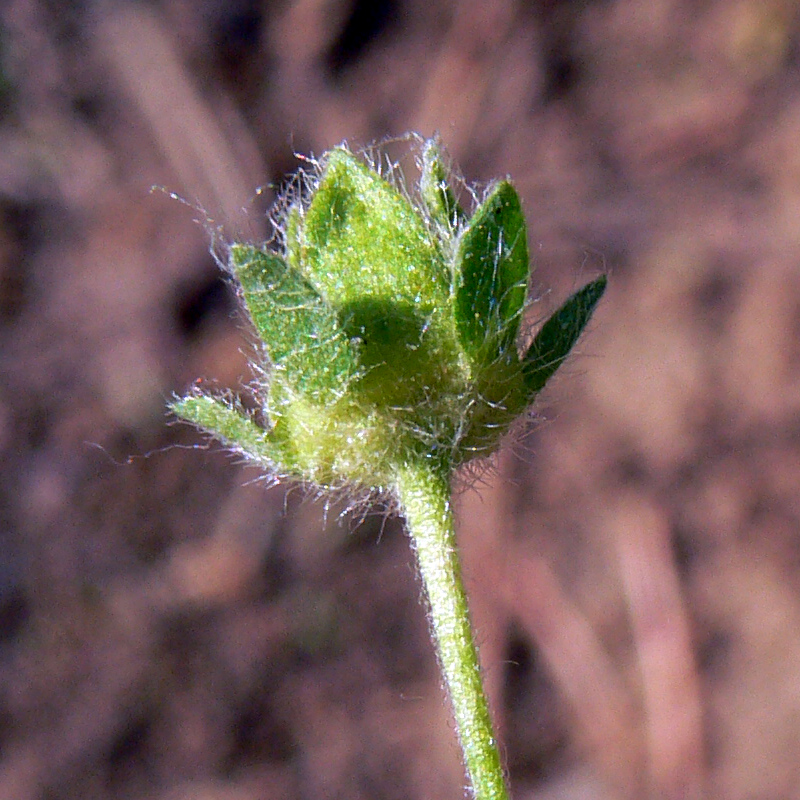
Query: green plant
[388,329]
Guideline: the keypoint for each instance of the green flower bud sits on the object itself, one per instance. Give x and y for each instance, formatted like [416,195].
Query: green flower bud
[389,327]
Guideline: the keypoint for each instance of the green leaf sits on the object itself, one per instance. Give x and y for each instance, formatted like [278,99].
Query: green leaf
[361,237]
[435,189]
[233,427]
[559,334]
[300,331]
[493,263]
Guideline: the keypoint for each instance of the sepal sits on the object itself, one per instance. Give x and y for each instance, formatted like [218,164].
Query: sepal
[559,334]
[300,331]
[492,267]
[235,428]
[362,237]
[435,189]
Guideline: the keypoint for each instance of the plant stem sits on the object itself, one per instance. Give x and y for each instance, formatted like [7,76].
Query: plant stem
[425,497]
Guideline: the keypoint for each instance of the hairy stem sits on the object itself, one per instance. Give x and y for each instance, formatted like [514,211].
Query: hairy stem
[425,497]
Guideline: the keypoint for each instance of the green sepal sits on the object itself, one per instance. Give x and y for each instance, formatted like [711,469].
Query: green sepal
[435,189]
[235,428]
[559,334]
[361,237]
[492,260]
[300,331]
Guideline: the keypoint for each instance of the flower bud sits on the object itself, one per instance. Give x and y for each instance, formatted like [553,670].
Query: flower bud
[389,327]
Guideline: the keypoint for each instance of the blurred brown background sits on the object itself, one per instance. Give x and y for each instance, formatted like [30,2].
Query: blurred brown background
[170,629]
